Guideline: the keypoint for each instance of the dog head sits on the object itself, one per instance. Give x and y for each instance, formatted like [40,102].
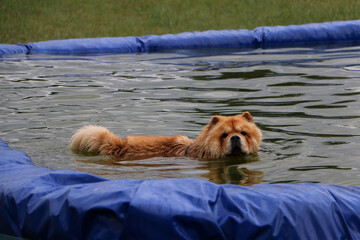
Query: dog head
[230,136]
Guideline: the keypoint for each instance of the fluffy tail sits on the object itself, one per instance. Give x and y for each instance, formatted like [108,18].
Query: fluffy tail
[96,139]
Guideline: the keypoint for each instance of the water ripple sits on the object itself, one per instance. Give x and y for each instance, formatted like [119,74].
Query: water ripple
[305,100]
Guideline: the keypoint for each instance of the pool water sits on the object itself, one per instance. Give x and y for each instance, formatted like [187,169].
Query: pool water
[305,100]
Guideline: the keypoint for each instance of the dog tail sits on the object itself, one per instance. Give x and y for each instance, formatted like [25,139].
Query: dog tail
[96,139]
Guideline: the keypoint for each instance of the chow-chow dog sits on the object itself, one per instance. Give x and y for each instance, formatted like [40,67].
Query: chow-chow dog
[222,137]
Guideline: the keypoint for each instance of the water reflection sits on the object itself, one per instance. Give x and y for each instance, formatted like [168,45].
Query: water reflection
[237,75]
[311,168]
[221,171]
[230,171]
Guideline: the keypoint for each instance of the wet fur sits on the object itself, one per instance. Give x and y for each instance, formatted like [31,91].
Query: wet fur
[213,142]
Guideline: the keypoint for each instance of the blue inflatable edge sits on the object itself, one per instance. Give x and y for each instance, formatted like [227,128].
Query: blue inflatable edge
[314,33]
[41,203]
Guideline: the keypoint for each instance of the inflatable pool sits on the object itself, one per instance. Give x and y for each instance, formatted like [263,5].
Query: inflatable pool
[42,203]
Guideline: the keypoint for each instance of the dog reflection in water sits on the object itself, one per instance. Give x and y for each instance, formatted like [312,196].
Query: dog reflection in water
[230,171]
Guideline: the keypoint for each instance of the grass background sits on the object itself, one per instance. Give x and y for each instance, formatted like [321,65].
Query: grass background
[23,21]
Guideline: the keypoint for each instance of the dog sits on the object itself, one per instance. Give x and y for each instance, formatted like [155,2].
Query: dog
[221,137]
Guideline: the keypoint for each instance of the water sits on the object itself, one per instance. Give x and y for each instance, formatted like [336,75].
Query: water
[305,100]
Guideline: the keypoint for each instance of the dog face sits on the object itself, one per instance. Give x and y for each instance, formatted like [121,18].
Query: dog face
[231,136]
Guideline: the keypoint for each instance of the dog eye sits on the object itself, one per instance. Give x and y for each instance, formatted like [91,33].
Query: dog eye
[243,133]
[224,135]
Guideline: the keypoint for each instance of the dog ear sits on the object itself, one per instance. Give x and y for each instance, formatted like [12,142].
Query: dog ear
[214,121]
[247,116]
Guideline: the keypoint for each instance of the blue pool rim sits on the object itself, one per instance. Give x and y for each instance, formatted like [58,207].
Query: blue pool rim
[295,35]
[42,203]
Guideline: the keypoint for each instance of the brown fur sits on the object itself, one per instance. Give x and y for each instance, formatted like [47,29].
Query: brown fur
[213,142]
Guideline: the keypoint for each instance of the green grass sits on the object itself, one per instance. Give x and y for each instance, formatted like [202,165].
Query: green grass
[23,21]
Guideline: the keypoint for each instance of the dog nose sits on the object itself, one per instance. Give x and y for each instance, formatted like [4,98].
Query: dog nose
[235,138]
